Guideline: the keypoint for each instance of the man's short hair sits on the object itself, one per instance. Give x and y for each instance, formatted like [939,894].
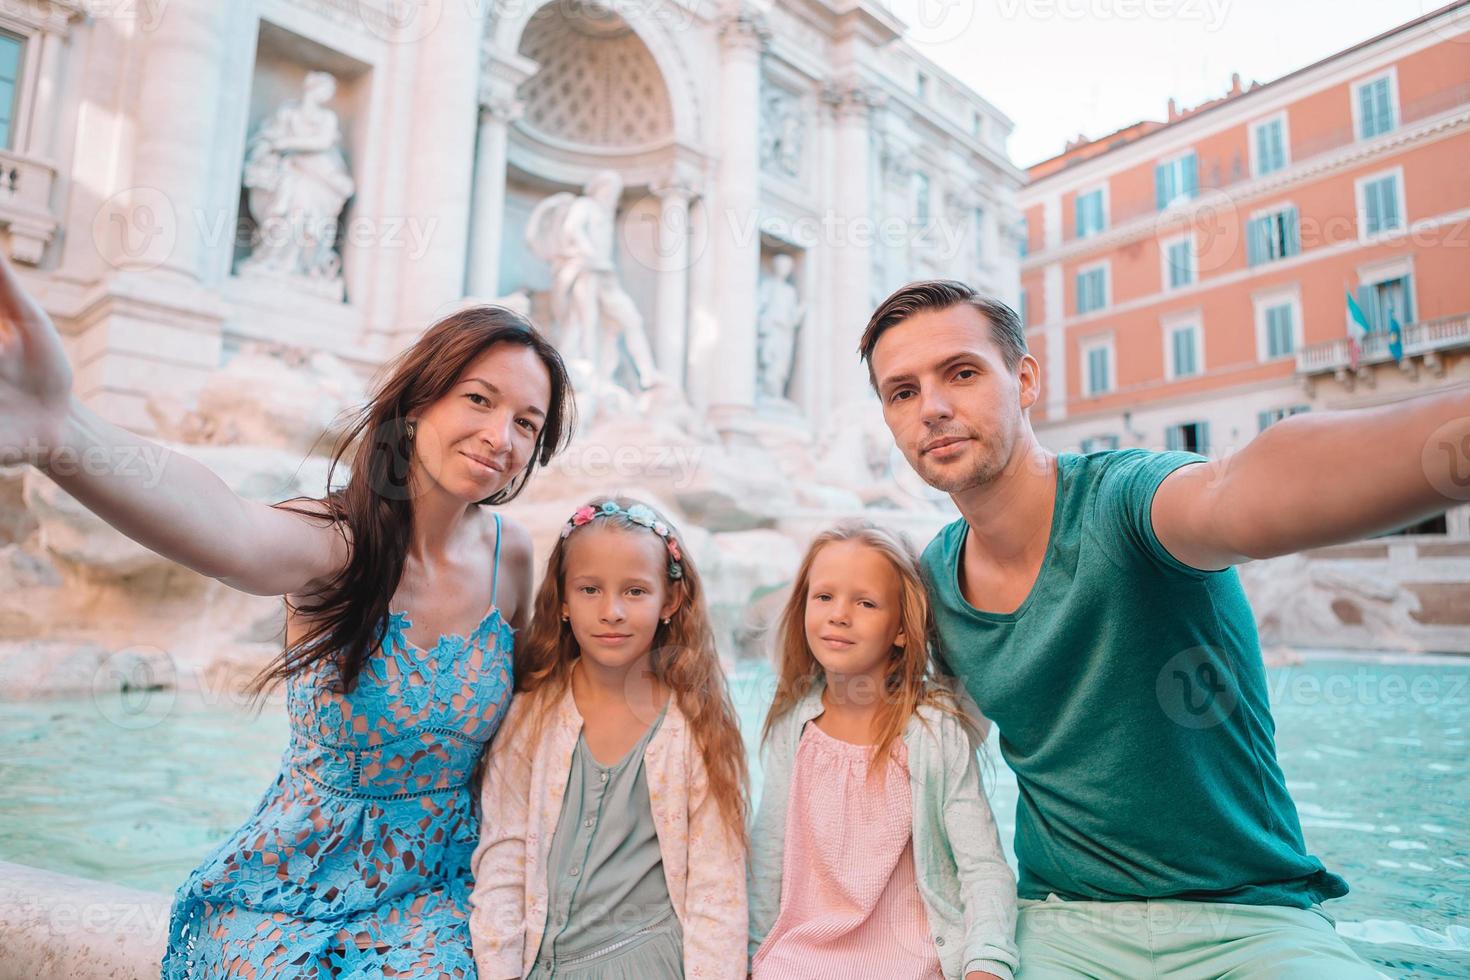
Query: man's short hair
[943,294]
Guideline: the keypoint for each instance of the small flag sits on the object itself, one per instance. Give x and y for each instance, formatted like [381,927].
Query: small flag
[1356,317]
[1395,338]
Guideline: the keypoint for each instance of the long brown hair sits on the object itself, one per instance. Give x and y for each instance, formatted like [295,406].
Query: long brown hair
[909,681]
[683,659]
[374,510]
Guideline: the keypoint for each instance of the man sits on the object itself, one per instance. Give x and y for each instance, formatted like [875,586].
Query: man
[1090,607]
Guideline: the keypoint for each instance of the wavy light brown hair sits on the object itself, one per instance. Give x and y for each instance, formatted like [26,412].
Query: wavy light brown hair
[683,659]
[910,681]
[374,510]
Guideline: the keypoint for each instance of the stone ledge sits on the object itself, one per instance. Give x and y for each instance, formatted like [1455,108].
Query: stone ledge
[64,928]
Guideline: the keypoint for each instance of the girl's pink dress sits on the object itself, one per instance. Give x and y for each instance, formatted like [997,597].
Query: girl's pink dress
[850,906]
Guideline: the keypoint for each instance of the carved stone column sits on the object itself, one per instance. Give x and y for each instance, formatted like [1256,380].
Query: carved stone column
[671,318]
[730,379]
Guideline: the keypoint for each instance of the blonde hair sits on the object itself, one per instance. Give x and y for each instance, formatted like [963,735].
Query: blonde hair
[909,682]
[683,659]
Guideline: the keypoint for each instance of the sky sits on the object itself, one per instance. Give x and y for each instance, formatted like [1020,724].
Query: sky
[1060,68]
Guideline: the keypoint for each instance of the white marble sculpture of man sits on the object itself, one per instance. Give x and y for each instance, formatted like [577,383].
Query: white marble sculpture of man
[591,309]
[299,182]
[780,316]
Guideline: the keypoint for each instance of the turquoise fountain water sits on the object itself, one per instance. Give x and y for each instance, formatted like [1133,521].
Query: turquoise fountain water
[136,789]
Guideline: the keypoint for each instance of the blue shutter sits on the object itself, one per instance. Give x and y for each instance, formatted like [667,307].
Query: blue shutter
[1080,225]
[1368,301]
[1365,111]
[1161,193]
[1384,107]
[1172,440]
[1190,183]
[1389,202]
[1273,147]
[1263,419]
[1256,248]
[1202,432]
[1293,236]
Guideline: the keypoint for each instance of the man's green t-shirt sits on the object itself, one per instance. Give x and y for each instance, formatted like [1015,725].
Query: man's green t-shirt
[1130,698]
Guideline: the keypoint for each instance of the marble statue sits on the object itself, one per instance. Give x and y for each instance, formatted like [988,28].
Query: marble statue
[782,134]
[780,315]
[590,310]
[298,184]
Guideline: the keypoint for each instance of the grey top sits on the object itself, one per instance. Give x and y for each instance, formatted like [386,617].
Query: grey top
[605,873]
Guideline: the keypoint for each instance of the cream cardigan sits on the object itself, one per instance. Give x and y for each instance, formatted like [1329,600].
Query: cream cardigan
[521,797]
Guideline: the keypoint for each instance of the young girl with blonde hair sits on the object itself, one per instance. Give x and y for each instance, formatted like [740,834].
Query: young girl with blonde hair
[874,852]
[613,842]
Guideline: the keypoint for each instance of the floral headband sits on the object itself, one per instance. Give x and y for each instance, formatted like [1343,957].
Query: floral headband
[638,514]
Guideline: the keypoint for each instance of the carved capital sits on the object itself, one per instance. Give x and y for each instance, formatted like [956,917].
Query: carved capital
[745,30]
[672,191]
[501,107]
[851,100]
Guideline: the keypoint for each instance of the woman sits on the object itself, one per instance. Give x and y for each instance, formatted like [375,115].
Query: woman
[402,595]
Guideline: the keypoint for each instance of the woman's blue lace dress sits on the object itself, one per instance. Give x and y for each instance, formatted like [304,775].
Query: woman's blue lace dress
[357,861]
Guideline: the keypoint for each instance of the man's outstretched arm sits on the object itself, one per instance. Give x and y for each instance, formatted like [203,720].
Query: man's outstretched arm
[1317,479]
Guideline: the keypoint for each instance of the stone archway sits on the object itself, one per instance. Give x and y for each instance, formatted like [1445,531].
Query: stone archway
[598,84]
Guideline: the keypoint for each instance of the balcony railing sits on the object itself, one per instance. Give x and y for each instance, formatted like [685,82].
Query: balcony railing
[25,205]
[1425,340]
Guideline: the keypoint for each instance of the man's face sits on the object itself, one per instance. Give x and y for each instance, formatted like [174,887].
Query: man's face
[954,408]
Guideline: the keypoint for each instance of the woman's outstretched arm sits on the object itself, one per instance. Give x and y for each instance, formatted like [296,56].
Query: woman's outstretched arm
[177,507]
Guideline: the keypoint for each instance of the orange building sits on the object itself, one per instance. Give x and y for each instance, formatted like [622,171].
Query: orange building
[1186,282]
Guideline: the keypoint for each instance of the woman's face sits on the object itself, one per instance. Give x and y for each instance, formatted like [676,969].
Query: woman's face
[480,435]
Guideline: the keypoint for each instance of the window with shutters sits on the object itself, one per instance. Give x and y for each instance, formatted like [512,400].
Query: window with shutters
[1278,322]
[1375,105]
[1190,437]
[1179,267]
[1182,350]
[1269,146]
[10,63]
[1092,289]
[1092,214]
[1280,333]
[1097,361]
[1271,416]
[1273,236]
[1176,180]
[1380,203]
[1386,301]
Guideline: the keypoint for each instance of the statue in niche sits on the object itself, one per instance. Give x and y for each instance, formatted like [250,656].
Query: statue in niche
[779,317]
[594,316]
[298,184]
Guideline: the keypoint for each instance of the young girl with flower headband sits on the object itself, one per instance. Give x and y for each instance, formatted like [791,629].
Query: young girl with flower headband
[874,852]
[613,841]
